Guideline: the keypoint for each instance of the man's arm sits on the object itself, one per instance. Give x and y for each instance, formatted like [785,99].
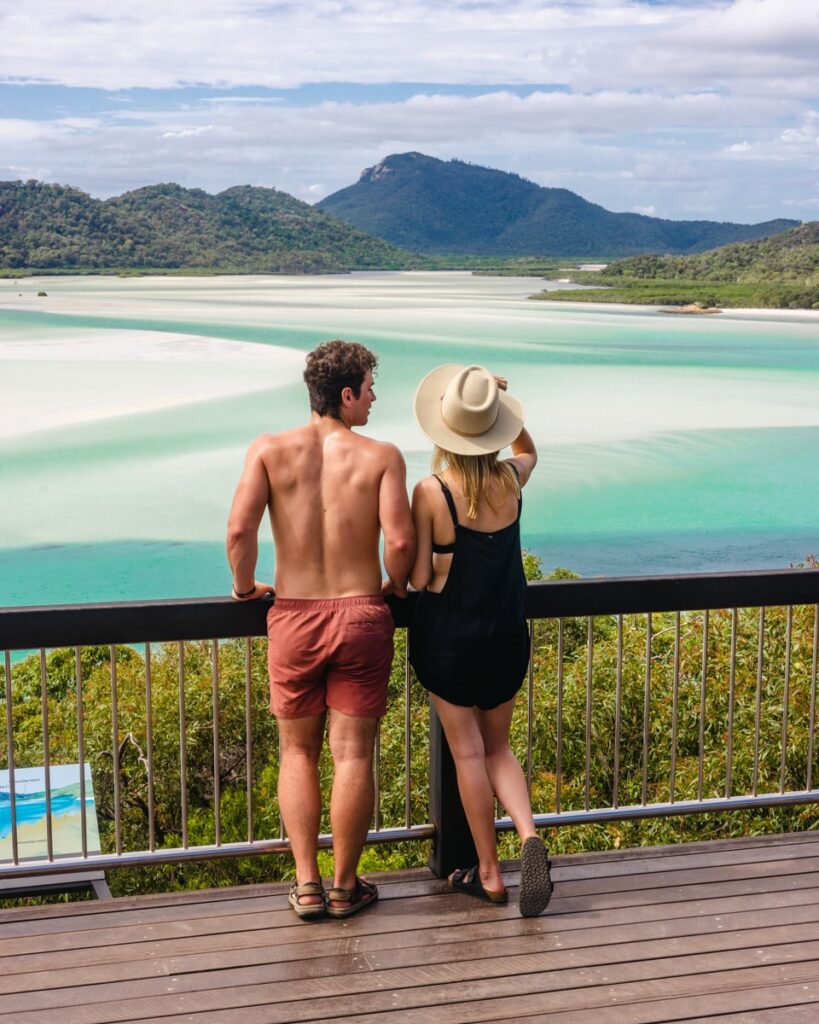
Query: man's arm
[249,502]
[396,522]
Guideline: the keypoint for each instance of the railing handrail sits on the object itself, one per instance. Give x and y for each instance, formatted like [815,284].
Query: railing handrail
[213,619]
[129,622]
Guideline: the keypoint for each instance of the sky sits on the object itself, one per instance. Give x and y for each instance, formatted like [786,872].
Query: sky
[682,109]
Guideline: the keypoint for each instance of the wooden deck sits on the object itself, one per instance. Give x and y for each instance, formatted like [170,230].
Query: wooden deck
[724,931]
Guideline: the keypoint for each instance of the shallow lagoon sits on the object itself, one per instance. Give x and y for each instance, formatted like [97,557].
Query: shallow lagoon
[668,444]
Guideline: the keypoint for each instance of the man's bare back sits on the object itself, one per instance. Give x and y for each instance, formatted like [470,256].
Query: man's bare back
[329,492]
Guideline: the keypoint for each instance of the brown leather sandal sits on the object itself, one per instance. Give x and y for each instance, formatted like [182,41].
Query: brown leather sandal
[307,911]
[356,899]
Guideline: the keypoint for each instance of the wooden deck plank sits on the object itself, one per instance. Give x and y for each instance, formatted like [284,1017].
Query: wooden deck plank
[567,988]
[612,942]
[356,973]
[783,1004]
[491,1000]
[405,912]
[804,1014]
[417,881]
[274,903]
[180,898]
[456,924]
[720,931]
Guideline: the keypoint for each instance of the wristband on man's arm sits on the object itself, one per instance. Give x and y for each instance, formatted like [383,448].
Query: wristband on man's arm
[247,593]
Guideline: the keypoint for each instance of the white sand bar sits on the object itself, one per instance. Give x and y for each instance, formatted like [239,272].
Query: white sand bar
[63,377]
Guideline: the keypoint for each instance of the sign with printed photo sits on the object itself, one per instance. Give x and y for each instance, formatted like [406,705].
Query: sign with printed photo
[30,806]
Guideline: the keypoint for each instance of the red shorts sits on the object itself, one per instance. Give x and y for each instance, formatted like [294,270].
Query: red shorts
[329,653]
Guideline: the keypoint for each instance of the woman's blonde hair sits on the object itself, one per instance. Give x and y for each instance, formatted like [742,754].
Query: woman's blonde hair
[475,475]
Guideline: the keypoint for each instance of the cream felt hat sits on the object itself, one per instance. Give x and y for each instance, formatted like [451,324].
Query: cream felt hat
[462,410]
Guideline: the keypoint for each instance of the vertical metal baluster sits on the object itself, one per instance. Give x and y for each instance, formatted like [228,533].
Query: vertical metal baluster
[786,698]
[589,672]
[559,765]
[732,674]
[760,661]
[46,754]
[217,758]
[618,706]
[377,809]
[703,684]
[149,742]
[809,784]
[407,734]
[281,816]
[115,750]
[529,706]
[81,752]
[674,709]
[10,741]
[183,743]
[249,737]
[646,709]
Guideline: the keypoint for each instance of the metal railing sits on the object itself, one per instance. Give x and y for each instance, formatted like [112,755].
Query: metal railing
[645,697]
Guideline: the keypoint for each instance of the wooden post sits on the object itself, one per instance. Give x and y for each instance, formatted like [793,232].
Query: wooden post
[452,846]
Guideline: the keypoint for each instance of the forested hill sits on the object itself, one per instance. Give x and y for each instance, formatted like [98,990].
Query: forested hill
[781,272]
[437,206]
[243,229]
[792,256]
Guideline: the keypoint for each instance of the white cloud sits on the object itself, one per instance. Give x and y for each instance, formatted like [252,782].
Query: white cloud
[807,132]
[604,146]
[113,44]
[187,133]
[648,211]
[678,107]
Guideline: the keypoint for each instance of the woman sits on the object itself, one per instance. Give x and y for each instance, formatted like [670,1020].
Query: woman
[470,643]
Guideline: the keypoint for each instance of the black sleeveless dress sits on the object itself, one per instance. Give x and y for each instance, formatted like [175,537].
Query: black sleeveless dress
[470,643]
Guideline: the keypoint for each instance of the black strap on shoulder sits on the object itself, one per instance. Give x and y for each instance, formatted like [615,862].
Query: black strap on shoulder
[449,500]
[446,549]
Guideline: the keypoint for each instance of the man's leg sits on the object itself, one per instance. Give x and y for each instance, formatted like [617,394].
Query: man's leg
[300,793]
[351,805]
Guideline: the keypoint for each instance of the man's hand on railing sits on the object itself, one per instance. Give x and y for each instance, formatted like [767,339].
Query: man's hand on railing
[259,590]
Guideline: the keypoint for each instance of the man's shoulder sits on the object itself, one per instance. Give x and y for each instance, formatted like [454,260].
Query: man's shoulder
[383,450]
[283,439]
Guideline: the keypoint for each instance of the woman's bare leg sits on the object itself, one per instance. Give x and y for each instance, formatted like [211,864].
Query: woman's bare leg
[503,768]
[462,729]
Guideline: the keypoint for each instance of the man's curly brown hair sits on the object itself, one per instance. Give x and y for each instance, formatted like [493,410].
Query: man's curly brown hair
[333,366]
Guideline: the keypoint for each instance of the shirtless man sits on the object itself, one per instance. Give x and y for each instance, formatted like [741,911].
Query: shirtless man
[330,493]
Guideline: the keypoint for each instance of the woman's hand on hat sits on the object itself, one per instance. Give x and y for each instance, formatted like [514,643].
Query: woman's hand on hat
[502,382]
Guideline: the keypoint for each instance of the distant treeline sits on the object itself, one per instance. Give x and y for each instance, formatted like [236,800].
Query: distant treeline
[781,271]
[166,227]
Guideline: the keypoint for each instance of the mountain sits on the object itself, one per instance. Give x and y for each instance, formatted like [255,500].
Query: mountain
[243,229]
[436,206]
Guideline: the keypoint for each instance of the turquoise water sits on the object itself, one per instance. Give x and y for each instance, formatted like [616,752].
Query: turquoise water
[667,444]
